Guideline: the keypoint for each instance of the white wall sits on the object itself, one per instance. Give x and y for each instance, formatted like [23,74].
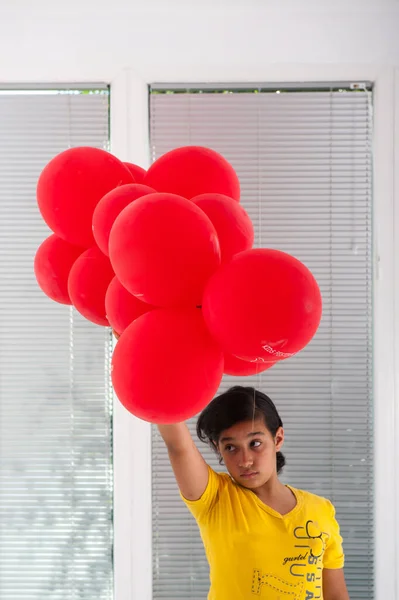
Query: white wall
[47,40]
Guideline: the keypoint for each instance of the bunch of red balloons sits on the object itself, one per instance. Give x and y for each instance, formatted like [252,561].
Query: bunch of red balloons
[165,258]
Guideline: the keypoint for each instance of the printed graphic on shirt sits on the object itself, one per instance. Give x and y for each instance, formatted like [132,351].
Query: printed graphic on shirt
[265,582]
[305,565]
[315,539]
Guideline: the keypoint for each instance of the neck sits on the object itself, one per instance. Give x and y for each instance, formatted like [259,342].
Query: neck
[276,495]
[271,490]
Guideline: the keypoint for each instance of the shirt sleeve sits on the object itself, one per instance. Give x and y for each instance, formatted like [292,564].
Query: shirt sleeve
[334,554]
[201,508]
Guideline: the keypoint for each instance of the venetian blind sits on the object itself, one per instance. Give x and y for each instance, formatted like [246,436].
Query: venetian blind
[303,157]
[55,395]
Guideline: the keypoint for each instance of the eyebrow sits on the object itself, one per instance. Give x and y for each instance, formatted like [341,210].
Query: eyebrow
[251,434]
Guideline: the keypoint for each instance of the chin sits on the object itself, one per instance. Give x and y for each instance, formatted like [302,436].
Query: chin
[250,482]
[254,482]
[250,485]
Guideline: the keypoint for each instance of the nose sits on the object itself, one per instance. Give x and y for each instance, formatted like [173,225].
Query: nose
[246,460]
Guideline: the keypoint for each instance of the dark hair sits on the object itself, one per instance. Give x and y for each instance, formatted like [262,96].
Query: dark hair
[234,406]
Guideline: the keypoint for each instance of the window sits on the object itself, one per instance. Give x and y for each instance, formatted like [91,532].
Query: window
[303,155]
[55,395]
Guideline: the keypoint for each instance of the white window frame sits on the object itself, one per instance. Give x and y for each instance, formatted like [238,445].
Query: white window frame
[132,438]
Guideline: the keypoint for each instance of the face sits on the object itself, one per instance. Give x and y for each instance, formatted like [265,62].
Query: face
[249,450]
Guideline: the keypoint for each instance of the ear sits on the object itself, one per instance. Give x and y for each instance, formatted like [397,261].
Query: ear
[279,439]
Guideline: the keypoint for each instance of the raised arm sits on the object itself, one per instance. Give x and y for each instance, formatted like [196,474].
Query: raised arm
[190,469]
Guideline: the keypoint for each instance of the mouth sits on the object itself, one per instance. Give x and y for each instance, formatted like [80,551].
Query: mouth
[249,475]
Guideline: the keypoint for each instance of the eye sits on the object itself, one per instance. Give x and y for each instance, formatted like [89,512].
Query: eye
[229,448]
[256,443]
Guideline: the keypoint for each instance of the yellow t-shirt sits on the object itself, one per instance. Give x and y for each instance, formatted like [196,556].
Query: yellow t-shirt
[253,551]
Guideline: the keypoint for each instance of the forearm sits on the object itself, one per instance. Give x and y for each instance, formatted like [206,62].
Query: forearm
[176,436]
[190,469]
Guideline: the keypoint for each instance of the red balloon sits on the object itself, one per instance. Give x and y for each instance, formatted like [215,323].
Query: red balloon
[88,282]
[193,170]
[137,172]
[264,304]
[71,185]
[163,249]
[233,225]
[53,262]
[110,206]
[242,368]
[121,307]
[166,367]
